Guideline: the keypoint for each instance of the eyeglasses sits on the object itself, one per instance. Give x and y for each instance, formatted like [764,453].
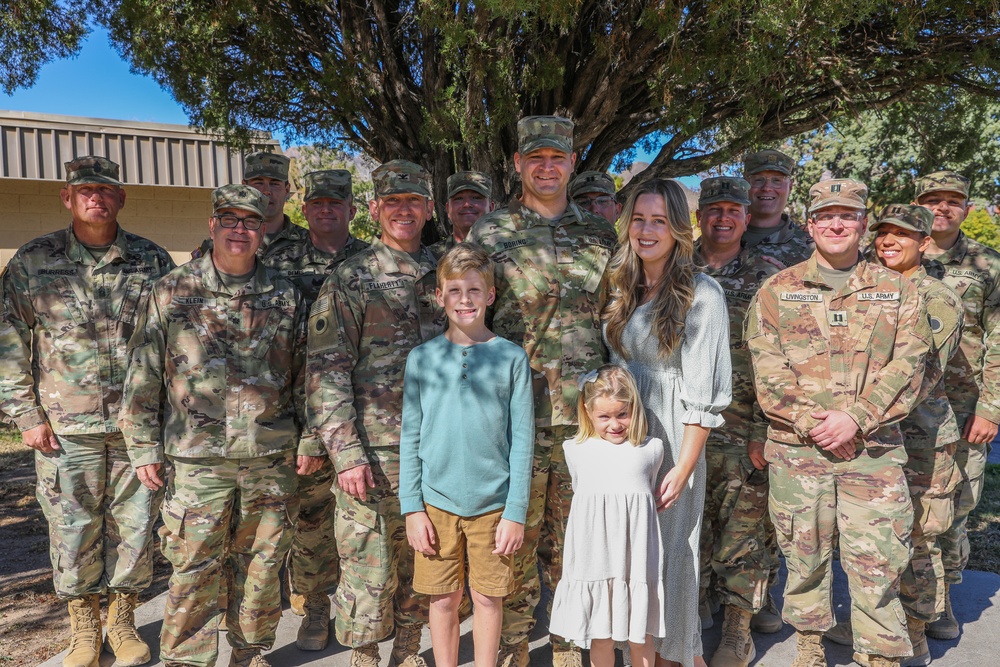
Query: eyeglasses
[250,223]
[826,219]
[775,181]
[603,200]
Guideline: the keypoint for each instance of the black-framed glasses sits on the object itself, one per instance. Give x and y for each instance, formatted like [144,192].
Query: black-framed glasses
[251,223]
[603,200]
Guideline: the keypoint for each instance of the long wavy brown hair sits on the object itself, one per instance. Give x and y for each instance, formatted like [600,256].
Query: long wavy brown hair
[675,290]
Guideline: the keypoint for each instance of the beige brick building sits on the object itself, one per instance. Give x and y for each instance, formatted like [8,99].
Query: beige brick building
[169,173]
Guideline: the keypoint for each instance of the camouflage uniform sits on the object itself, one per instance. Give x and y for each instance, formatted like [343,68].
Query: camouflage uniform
[736,531]
[375,307]
[861,349]
[549,285]
[788,244]
[215,387]
[313,563]
[972,378]
[458,182]
[63,340]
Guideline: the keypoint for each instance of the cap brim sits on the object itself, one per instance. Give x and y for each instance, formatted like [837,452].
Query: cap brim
[847,203]
[240,207]
[107,180]
[713,200]
[339,196]
[536,144]
[590,189]
[898,223]
[475,188]
[403,191]
[942,189]
[769,167]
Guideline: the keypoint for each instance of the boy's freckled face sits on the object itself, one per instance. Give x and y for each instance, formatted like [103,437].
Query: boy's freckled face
[465,298]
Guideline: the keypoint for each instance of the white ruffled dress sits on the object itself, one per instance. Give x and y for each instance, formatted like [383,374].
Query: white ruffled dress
[612,581]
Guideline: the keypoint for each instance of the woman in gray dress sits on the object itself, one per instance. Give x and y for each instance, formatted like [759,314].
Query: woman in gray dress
[667,323]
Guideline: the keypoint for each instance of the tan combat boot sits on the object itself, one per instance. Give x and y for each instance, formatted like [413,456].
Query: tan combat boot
[247,657]
[129,648]
[566,656]
[918,640]
[406,646]
[809,649]
[767,621]
[365,656]
[945,627]
[297,603]
[736,648]
[513,655]
[314,633]
[882,661]
[85,626]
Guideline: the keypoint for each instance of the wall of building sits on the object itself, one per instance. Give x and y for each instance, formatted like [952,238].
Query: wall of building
[174,217]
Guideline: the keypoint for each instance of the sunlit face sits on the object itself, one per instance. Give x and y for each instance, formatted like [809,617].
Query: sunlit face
[837,230]
[611,418]
[234,243]
[464,208]
[402,217]
[276,191]
[600,204]
[649,230]
[465,299]
[93,203]
[544,172]
[328,217]
[769,191]
[900,249]
[950,210]
[722,223]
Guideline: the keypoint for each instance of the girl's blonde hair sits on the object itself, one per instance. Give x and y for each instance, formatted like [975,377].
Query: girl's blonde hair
[675,290]
[616,383]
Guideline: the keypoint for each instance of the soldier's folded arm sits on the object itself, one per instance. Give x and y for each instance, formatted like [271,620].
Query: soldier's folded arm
[144,395]
[778,391]
[895,389]
[17,385]
[332,354]
[988,406]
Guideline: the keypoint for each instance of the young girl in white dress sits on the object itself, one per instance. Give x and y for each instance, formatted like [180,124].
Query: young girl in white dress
[612,582]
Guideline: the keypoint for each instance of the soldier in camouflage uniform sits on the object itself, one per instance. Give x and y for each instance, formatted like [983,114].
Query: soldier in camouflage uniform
[735,529]
[594,191]
[313,564]
[268,173]
[839,348]
[469,198]
[771,231]
[375,307]
[973,376]
[550,258]
[71,299]
[216,388]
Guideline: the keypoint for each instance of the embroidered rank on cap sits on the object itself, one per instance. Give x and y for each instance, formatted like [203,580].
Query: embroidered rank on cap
[878,296]
[837,318]
[808,297]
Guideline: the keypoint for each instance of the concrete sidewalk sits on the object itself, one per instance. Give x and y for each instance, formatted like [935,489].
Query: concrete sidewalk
[976,607]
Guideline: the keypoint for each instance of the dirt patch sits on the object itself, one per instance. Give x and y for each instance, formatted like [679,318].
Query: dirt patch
[34,624]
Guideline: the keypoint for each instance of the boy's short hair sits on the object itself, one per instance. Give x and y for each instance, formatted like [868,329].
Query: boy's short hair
[461,259]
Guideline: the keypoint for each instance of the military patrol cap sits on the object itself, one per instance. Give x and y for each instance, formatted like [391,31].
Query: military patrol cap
[768,160]
[838,192]
[401,177]
[476,181]
[271,165]
[918,219]
[724,188]
[242,197]
[592,181]
[331,183]
[534,132]
[943,181]
[91,169]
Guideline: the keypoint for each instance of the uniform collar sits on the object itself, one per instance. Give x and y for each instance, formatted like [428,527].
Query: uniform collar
[397,261]
[78,253]
[955,254]
[730,269]
[782,233]
[258,283]
[316,256]
[572,214]
[861,278]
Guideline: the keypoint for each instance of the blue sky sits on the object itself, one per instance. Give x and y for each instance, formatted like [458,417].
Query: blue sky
[97,83]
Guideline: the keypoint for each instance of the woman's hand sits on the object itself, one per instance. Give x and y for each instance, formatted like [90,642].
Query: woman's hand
[674,482]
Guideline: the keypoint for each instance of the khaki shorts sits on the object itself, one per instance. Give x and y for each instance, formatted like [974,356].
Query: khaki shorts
[458,537]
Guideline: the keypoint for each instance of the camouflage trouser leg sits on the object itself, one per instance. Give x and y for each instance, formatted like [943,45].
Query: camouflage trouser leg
[240,510]
[734,532]
[954,542]
[375,591]
[100,516]
[813,491]
[313,562]
[544,535]
[932,476]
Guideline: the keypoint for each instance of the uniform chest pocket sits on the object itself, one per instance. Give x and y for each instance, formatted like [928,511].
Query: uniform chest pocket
[275,329]
[59,308]
[131,294]
[594,260]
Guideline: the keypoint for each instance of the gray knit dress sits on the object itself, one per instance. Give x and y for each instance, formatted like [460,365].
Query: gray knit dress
[692,386]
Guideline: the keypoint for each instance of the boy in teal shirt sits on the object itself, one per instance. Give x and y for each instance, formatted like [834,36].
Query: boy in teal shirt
[465,458]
